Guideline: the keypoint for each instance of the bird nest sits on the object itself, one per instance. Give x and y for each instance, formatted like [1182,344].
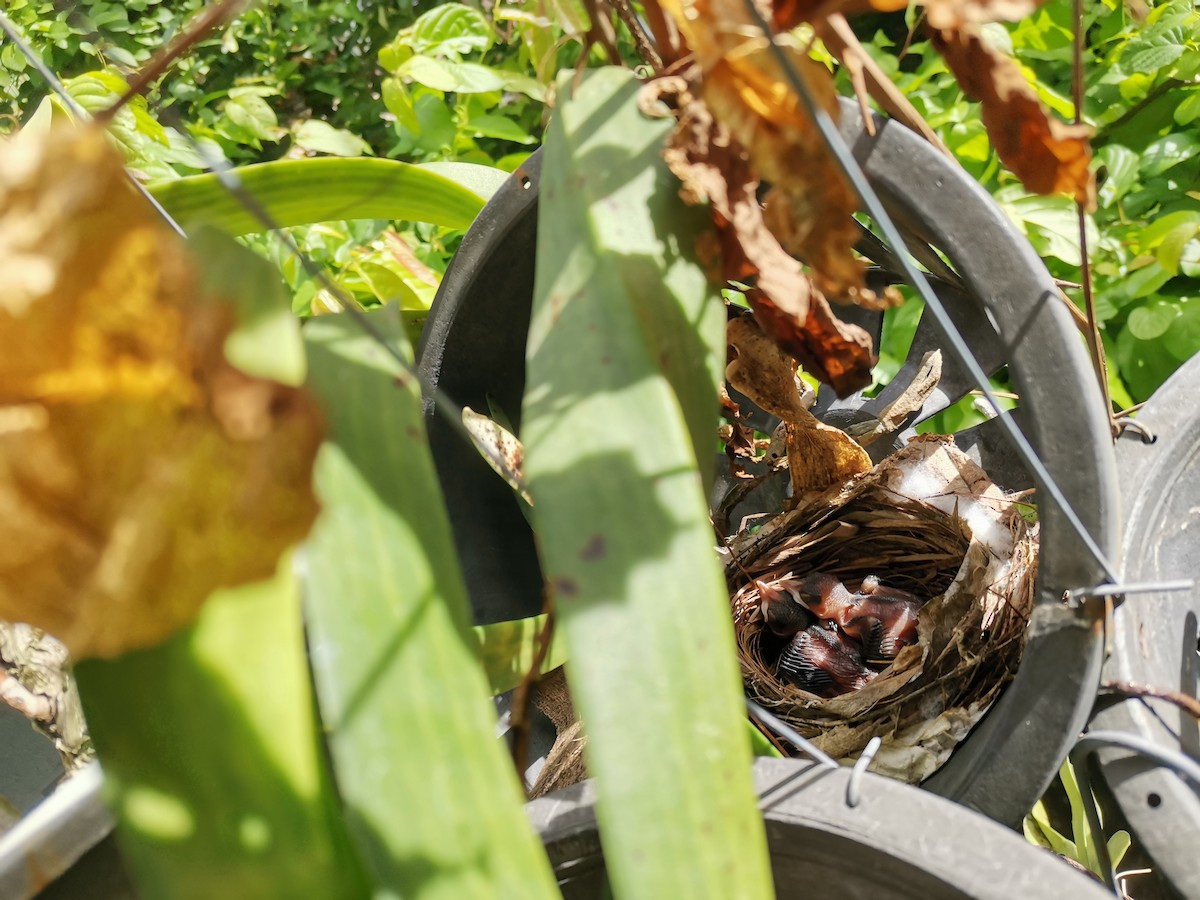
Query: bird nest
[913,584]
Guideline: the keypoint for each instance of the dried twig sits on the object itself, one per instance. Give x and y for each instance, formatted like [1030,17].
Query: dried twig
[641,40]
[1186,702]
[523,693]
[1095,344]
[841,41]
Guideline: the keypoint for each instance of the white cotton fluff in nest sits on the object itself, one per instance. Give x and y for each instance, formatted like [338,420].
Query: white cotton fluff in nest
[969,497]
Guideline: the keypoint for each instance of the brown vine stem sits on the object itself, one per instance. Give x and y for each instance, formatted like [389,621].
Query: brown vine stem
[641,40]
[522,698]
[199,27]
[1095,342]
[1185,702]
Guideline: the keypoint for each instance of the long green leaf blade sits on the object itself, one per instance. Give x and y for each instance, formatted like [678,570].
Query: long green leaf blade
[212,758]
[432,799]
[625,342]
[303,191]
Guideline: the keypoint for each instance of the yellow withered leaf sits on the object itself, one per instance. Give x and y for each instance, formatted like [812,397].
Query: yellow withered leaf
[139,470]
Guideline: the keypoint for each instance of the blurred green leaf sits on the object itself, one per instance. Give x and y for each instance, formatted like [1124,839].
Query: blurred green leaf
[1167,152]
[1149,321]
[302,191]
[266,342]
[451,29]
[321,137]
[1121,164]
[494,126]
[431,798]
[626,344]
[212,758]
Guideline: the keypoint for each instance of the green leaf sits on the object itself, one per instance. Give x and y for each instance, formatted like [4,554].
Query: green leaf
[321,137]
[1151,58]
[250,112]
[1043,833]
[464,78]
[507,651]
[1188,109]
[1143,364]
[399,103]
[1118,846]
[1121,164]
[467,77]
[451,29]
[626,345]
[432,800]
[501,127]
[1167,152]
[483,181]
[1183,340]
[1152,320]
[266,342]
[1170,249]
[212,757]
[303,191]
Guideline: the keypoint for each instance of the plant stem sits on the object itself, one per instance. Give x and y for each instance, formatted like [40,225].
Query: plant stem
[1095,343]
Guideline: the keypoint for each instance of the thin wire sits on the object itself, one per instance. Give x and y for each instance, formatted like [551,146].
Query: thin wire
[853,783]
[450,411]
[788,733]
[958,346]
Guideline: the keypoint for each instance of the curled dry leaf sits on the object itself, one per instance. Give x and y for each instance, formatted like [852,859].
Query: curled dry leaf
[1049,156]
[139,471]
[819,455]
[714,167]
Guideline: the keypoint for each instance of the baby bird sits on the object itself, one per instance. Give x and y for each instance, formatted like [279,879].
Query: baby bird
[883,619]
[782,608]
[819,660]
[886,619]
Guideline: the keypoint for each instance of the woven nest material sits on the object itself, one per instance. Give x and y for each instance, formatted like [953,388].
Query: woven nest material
[926,520]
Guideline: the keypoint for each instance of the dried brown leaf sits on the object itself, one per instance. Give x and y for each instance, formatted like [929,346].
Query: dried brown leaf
[139,471]
[713,166]
[747,91]
[1049,156]
[819,455]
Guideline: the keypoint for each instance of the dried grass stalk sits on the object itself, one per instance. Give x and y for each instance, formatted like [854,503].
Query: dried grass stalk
[927,520]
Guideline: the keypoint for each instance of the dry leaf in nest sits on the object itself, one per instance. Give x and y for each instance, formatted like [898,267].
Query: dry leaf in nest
[1049,156]
[713,166]
[818,454]
[928,521]
[139,471]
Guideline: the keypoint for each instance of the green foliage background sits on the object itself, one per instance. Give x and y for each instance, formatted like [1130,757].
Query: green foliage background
[456,82]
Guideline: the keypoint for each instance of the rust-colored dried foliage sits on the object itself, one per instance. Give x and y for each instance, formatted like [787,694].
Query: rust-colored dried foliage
[1049,156]
[740,122]
[819,455]
[139,471]
[713,166]
[787,14]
